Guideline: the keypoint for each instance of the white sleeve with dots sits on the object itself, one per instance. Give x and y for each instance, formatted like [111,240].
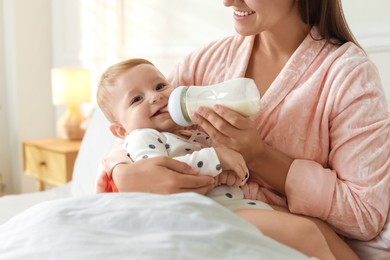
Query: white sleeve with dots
[145,143]
[206,160]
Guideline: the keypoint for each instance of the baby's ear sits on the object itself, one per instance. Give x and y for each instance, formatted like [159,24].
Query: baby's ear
[117,130]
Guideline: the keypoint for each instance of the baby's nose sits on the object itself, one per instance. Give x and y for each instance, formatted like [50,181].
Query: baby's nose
[156,97]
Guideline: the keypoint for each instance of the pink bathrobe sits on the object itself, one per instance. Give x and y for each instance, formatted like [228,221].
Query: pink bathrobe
[327,110]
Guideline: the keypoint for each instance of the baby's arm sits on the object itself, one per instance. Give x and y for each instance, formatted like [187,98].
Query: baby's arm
[221,163]
[235,171]
[206,160]
[226,165]
[145,143]
[148,143]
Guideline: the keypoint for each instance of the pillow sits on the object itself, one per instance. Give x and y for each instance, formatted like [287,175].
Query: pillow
[96,144]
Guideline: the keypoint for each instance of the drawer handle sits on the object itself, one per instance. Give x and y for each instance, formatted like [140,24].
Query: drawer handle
[42,164]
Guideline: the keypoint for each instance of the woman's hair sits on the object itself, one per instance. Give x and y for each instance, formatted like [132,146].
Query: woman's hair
[329,18]
[108,80]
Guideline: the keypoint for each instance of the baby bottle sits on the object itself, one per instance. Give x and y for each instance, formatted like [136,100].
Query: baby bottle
[240,95]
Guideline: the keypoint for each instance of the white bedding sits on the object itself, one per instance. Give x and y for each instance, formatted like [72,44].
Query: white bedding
[135,226]
[11,205]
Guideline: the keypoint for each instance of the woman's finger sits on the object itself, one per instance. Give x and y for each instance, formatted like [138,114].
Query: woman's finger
[207,122]
[222,120]
[212,123]
[198,184]
[201,190]
[175,165]
[233,118]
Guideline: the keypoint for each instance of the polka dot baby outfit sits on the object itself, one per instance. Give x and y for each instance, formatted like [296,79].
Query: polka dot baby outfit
[191,147]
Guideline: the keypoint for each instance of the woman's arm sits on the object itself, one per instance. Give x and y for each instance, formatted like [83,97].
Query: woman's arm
[352,191]
[161,175]
[157,175]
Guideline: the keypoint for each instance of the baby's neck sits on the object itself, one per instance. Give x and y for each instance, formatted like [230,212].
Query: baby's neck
[184,131]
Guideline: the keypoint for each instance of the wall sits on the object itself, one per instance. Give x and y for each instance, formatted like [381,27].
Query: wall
[181,30]
[370,22]
[113,30]
[4,158]
[27,64]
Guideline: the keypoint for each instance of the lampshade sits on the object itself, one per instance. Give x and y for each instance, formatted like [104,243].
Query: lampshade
[70,86]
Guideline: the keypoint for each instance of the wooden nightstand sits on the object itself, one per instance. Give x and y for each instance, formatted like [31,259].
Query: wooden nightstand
[50,161]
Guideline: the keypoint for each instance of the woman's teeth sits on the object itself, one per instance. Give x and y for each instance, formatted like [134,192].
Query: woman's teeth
[246,13]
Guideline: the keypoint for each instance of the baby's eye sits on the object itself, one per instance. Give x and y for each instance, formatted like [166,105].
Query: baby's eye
[160,86]
[136,99]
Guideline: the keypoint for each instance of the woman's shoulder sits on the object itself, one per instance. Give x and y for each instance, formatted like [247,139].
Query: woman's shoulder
[353,75]
[352,59]
[333,52]
[351,54]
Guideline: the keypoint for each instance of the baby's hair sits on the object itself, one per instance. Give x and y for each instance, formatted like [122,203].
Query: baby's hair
[108,80]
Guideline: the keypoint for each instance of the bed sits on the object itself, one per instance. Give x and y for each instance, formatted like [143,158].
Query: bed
[71,222]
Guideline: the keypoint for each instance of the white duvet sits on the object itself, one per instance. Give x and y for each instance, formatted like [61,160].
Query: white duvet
[135,226]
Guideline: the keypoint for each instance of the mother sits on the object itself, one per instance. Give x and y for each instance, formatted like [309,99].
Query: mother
[320,145]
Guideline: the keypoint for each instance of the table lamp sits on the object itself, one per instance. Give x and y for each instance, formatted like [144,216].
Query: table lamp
[71,87]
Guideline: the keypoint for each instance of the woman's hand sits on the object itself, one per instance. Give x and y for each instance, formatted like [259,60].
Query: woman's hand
[228,128]
[161,175]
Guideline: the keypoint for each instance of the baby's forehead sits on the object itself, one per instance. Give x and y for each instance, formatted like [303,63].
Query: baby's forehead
[142,74]
[150,70]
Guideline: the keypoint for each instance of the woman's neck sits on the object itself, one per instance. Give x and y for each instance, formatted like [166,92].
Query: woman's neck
[273,48]
[282,40]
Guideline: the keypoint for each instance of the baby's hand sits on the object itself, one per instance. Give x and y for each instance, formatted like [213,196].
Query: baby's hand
[235,172]
[228,178]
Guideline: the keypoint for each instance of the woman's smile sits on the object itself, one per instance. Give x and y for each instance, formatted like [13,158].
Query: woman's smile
[243,13]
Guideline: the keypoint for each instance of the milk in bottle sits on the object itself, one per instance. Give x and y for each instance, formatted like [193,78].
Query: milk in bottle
[240,95]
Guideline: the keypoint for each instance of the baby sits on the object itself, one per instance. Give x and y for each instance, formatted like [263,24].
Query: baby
[133,95]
